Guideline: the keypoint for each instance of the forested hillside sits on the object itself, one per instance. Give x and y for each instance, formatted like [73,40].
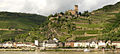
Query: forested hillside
[13,24]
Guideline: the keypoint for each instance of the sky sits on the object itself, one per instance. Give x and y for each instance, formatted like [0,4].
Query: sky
[47,7]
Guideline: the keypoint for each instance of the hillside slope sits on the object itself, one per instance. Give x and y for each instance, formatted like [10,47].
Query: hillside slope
[13,24]
[101,24]
[20,20]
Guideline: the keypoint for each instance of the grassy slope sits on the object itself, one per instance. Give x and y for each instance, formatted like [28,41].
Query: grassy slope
[22,21]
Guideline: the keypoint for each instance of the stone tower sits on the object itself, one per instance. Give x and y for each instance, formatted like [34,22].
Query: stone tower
[75,11]
[76,8]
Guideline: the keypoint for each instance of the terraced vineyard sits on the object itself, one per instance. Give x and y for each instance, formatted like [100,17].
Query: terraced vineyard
[13,24]
[101,24]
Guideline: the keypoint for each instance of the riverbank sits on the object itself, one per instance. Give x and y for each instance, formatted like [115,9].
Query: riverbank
[17,49]
[54,52]
[80,50]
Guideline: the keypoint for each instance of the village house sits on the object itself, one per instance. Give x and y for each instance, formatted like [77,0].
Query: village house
[29,44]
[49,44]
[1,45]
[60,44]
[69,44]
[94,44]
[8,44]
[36,43]
[56,40]
[101,44]
[81,44]
[19,44]
[116,44]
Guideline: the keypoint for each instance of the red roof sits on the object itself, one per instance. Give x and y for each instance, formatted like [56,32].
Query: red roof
[19,43]
[116,42]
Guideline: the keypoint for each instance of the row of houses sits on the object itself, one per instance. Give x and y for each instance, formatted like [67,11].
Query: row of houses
[92,44]
[17,44]
[56,43]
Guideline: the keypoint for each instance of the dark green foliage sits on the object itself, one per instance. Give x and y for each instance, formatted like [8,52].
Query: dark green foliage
[86,14]
[17,21]
[110,8]
[51,15]
[114,35]
[55,15]
[66,13]
[9,35]
[62,13]
[30,36]
[83,38]
[20,20]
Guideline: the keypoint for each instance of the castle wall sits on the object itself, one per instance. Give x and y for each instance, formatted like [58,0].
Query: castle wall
[72,12]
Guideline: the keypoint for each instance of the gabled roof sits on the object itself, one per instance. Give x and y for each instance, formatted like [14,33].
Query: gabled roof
[51,42]
[28,43]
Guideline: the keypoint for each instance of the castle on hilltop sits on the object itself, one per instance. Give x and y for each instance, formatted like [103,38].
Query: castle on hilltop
[67,14]
[75,11]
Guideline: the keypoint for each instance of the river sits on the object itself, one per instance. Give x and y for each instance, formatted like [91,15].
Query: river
[32,52]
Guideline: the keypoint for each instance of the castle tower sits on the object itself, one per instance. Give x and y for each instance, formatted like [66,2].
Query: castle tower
[76,8]
[75,11]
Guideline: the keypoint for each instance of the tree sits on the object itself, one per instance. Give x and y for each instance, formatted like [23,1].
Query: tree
[55,15]
[50,16]
[62,13]
[66,13]
[86,14]
[79,13]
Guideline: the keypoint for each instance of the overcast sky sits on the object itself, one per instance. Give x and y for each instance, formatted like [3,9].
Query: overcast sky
[46,7]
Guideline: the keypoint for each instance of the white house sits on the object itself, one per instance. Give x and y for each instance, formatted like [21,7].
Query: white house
[36,42]
[101,44]
[116,44]
[81,44]
[50,43]
[8,44]
[1,44]
[94,44]
[55,39]
[19,44]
